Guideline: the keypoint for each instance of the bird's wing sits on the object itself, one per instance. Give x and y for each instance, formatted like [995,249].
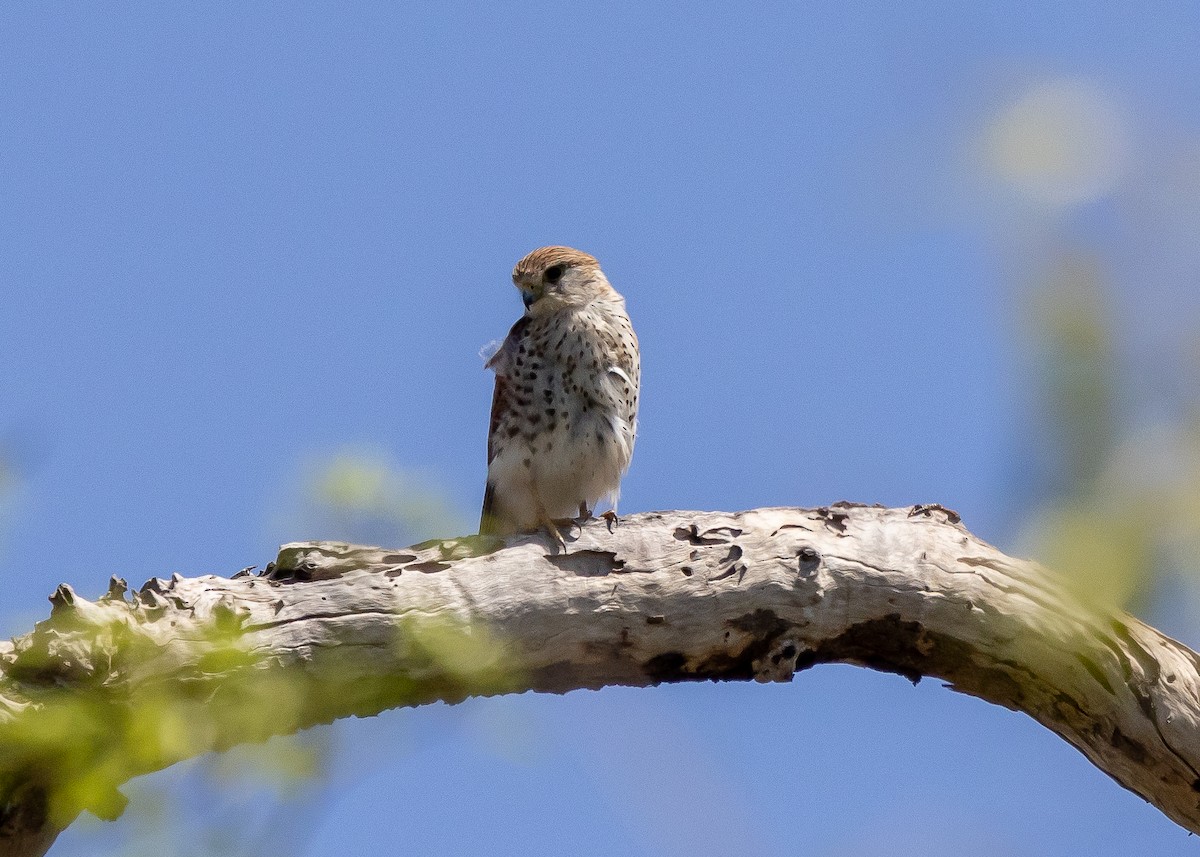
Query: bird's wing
[627,367]
[499,363]
[487,517]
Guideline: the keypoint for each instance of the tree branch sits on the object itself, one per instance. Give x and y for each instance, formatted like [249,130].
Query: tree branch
[103,691]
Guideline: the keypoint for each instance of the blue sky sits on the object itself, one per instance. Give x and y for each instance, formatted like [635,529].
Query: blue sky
[234,241]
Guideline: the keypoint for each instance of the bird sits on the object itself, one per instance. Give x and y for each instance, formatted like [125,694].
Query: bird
[565,402]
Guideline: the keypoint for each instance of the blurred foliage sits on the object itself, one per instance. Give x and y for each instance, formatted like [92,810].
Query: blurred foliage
[1060,143]
[1131,515]
[361,496]
[1076,368]
[1118,496]
[103,720]
[253,800]
[250,800]
[1107,509]
[95,730]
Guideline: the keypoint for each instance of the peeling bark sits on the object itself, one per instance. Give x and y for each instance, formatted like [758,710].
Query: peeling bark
[108,689]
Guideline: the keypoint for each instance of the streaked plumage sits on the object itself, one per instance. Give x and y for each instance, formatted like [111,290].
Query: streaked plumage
[564,410]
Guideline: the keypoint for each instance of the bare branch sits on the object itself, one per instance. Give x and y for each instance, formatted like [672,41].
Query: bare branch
[106,690]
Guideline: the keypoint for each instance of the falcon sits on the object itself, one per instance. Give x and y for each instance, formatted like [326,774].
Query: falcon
[564,410]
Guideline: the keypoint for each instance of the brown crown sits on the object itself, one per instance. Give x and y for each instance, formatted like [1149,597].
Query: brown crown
[534,265]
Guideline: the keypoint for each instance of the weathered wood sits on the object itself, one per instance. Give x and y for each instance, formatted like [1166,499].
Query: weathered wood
[108,689]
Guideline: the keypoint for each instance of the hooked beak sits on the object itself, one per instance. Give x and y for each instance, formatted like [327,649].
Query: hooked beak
[529,293]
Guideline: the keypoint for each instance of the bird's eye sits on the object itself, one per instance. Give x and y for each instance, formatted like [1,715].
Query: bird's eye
[554,274]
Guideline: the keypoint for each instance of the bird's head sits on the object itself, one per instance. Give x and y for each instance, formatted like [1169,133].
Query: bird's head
[552,278]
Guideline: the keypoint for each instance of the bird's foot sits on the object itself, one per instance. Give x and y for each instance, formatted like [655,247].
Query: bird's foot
[611,518]
[585,514]
[551,527]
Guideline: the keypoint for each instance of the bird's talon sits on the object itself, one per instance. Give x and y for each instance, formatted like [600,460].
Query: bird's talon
[611,519]
[555,530]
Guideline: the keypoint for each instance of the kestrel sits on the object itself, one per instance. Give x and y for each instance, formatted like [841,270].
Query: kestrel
[564,411]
